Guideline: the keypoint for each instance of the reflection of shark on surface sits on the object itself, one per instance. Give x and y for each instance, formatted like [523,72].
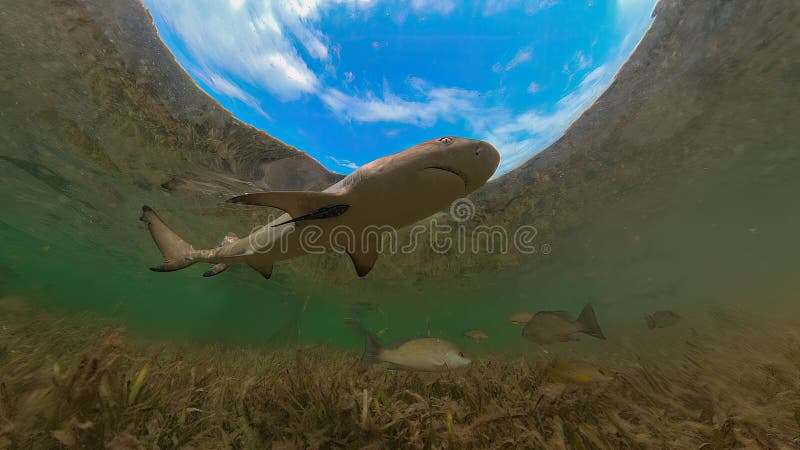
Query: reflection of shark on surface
[394,191]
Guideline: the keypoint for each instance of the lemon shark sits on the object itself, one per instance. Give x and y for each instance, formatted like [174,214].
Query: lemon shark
[393,191]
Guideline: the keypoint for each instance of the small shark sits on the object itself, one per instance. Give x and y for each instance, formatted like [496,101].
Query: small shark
[393,191]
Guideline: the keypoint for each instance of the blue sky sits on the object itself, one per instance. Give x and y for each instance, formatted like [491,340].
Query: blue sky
[349,81]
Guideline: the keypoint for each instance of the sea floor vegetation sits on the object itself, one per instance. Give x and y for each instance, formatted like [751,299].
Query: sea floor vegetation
[74,382]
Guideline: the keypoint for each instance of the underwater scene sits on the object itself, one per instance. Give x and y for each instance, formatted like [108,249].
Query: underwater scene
[481,224]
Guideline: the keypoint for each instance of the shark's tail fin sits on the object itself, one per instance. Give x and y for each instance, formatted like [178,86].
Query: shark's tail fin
[372,348]
[177,252]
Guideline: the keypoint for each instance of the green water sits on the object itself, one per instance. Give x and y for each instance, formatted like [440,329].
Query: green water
[723,237]
[711,222]
[679,189]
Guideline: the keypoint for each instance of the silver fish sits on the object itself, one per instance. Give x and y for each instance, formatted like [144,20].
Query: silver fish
[425,354]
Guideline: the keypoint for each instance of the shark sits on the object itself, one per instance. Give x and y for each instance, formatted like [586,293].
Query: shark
[394,191]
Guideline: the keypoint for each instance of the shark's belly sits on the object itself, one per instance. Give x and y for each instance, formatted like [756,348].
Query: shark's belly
[402,202]
[268,243]
[386,201]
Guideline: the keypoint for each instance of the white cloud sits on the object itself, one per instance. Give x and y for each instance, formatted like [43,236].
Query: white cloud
[583,61]
[390,108]
[443,7]
[631,11]
[578,63]
[627,6]
[224,86]
[273,46]
[522,56]
[492,7]
[248,40]
[344,163]
[290,73]
[254,40]
[436,103]
[520,136]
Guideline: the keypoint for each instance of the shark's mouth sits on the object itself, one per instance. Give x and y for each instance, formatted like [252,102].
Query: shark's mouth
[455,172]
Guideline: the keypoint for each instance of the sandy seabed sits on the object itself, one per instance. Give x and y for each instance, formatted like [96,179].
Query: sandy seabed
[78,382]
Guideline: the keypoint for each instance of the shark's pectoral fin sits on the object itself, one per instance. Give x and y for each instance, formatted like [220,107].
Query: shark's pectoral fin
[264,269]
[216,269]
[296,203]
[364,259]
[326,212]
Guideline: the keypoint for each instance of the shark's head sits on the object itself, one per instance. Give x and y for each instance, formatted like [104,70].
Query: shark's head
[472,161]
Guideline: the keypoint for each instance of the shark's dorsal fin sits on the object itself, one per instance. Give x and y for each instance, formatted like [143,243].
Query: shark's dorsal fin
[296,203]
[364,259]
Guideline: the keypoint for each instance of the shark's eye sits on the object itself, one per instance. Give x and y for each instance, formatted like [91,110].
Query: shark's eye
[446,140]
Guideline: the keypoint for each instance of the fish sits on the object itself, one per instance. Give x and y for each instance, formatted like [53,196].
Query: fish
[520,317]
[661,319]
[576,372]
[476,334]
[548,327]
[429,354]
[394,191]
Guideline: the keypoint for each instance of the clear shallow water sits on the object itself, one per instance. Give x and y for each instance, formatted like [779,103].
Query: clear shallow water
[677,191]
[717,238]
[707,236]
[690,202]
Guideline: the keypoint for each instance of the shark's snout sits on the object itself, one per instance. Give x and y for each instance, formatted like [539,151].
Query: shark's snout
[477,162]
[488,155]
